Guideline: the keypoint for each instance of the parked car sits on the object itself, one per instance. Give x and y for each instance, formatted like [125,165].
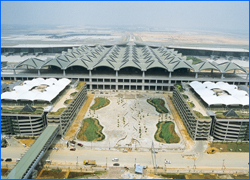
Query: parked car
[115,159]
[2,159]
[79,144]
[8,160]
[72,142]
[167,162]
[116,164]
[72,149]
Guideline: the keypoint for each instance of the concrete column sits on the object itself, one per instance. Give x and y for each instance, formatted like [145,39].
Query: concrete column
[169,82]
[169,74]
[234,71]
[129,87]
[247,76]
[90,74]
[14,71]
[196,75]
[116,73]
[155,88]
[142,87]
[39,72]
[90,86]
[116,87]
[162,88]
[168,88]
[143,73]
[222,76]
[212,70]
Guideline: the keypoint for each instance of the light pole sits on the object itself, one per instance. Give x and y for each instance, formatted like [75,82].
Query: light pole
[135,161]
[165,164]
[194,164]
[223,165]
[106,163]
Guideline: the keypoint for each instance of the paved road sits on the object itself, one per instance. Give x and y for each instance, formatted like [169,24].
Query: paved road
[65,156]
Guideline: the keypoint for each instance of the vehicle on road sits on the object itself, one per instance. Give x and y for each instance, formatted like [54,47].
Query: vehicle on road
[8,160]
[18,159]
[72,149]
[212,151]
[72,142]
[167,162]
[79,144]
[89,162]
[2,159]
[55,148]
[73,145]
[116,164]
[115,159]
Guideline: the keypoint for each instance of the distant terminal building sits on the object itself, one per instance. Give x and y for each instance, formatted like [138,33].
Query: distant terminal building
[127,67]
[30,107]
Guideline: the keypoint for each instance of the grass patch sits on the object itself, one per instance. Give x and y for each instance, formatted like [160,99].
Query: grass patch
[73,94]
[172,175]
[159,105]
[235,146]
[185,96]
[194,59]
[46,174]
[220,115]
[91,130]
[84,175]
[99,103]
[190,104]
[179,87]
[200,116]
[80,85]
[58,112]
[165,133]
[68,101]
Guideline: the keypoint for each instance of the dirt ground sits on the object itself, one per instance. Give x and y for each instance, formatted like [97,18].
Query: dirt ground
[186,37]
[28,142]
[78,120]
[178,121]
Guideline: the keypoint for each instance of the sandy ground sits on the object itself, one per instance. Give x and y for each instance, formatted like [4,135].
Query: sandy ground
[69,135]
[28,142]
[190,38]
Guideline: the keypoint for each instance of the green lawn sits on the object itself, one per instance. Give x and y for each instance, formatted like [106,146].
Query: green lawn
[235,146]
[39,110]
[91,130]
[185,96]
[73,94]
[179,87]
[165,131]
[67,101]
[99,103]
[190,104]
[79,85]
[195,59]
[159,105]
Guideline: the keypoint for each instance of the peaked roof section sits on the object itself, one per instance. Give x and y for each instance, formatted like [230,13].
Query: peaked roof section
[227,66]
[205,65]
[34,62]
[28,108]
[119,56]
[230,113]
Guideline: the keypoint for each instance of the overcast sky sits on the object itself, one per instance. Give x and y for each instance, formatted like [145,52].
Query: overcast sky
[196,15]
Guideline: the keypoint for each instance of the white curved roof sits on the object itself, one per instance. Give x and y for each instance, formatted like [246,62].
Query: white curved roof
[235,97]
[24,92]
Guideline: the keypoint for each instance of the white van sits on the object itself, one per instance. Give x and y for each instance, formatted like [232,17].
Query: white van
[115,159]
[48,161]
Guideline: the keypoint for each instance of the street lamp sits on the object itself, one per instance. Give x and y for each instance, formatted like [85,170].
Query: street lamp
[223,165]
[194,164]
[106,163]
[165,164]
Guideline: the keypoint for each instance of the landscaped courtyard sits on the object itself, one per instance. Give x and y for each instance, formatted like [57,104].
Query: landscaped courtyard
[129,122]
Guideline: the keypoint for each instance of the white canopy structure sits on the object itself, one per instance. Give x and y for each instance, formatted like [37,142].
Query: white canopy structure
[234,97]
[25,92]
